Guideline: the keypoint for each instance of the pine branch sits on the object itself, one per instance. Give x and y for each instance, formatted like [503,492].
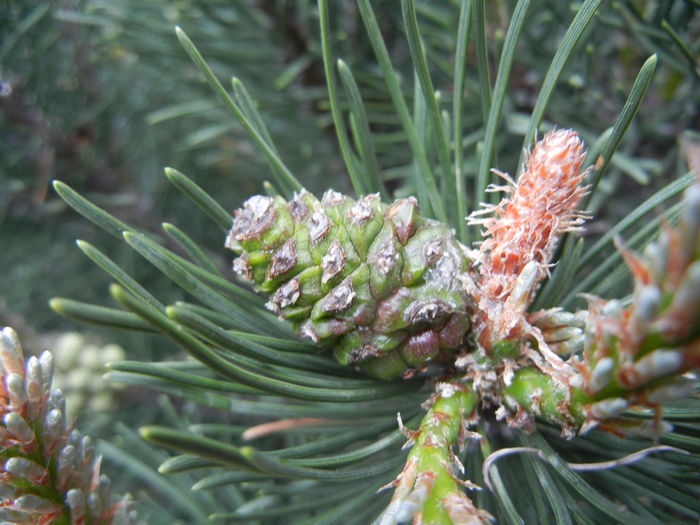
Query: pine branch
[396,293]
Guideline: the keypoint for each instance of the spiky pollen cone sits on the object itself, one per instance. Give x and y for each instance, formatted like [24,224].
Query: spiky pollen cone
[379,282]
[522,232]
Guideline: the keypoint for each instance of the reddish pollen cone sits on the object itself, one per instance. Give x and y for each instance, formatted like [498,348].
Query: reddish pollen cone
[524,228]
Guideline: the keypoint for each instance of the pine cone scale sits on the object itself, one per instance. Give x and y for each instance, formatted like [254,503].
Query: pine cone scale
[379,282]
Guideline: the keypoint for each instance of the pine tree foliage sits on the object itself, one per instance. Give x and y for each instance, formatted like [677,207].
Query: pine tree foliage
[81,77]
[329,439]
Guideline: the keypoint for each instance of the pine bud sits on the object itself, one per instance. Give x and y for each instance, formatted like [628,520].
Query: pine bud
[104,489]
[66,466]
[647,303]
[46,362]
[18,427]
[659,363]
[76,502]
[602,375]
[648,429]
[686,303]
[636,354]
[86,452]
[53,432]
[94,504]
[36,504]
[50,473]
[15,388]
[11,355]
[26,469]
[608,408]
[34,387]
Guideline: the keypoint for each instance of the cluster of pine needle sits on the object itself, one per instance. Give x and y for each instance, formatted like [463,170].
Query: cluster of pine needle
[535,329]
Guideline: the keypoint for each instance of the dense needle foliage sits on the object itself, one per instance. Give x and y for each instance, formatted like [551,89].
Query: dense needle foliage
[425,98]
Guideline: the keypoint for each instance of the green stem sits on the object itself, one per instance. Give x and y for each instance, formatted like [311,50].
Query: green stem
[539,393]
[438,433]
[436,459]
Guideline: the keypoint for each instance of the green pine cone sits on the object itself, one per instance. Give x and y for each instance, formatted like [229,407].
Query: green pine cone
[379,282]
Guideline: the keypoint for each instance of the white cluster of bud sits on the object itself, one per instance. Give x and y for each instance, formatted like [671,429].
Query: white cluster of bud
[41,456]
[80,365]
[639,352]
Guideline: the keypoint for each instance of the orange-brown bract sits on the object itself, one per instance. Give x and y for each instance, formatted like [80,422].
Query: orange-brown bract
[522,232]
